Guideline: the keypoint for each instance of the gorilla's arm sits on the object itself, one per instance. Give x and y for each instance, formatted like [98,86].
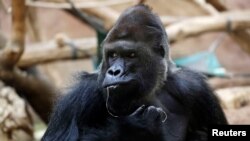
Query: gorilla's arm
[81,115]
[81,106]
[144,123]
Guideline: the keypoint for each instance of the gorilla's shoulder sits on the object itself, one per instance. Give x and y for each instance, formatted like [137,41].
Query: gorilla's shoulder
[187,82]
[85,76]
[84,91]
[86,79]
[187,75]
[86,84]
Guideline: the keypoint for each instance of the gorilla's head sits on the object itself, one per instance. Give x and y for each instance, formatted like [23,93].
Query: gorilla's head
[135,58]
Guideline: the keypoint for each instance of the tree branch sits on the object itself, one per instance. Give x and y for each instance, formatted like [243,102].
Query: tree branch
[85,4]
[38,92]
[241,37]
[14,49]
[64,49]
[195,26]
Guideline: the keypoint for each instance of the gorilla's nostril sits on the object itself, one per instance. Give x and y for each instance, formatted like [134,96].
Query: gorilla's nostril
[114,72]
[111,72]
[117,72]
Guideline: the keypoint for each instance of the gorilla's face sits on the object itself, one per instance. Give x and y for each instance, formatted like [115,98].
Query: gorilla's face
[125,67]
[131,72]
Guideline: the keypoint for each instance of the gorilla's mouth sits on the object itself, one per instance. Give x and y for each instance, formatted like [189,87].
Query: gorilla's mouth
[119,96]
[109,109]
[113,86]
[117,84]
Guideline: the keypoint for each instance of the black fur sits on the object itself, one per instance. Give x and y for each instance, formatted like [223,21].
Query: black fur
[148,87]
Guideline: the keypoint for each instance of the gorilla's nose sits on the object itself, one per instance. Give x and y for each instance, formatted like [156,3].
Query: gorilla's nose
[115,71]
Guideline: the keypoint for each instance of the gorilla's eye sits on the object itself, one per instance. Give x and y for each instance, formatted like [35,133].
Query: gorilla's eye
[131,55]
[113,55]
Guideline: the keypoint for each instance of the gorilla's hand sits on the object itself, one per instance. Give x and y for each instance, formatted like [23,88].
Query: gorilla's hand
[150,117]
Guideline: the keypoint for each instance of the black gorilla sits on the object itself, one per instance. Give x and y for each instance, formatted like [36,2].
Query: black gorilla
[138,94]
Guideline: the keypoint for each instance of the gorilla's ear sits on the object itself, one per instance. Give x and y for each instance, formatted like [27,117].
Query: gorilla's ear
[161,50]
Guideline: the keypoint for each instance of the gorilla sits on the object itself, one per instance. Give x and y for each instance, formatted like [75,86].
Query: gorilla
[138,94]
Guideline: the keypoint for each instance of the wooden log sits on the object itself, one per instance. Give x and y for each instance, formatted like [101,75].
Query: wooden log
[14,49]
[29,86]
[207,7]
[198,25]
[85,4]
[218,83]
[45,52]
[241,37]
[234,97]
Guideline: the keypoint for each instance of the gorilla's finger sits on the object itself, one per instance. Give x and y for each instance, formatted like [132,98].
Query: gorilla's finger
[139,110]
[163,114]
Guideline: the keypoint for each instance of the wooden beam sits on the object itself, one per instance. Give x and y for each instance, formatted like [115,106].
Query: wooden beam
[15,47]
[231,21]
[81,5]
[241,37]
[234,97]
[207,7]
[218,83]
[29,86]
[51,51]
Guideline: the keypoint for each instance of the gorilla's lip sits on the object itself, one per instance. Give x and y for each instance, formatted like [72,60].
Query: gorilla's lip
[113,86]
[117,84]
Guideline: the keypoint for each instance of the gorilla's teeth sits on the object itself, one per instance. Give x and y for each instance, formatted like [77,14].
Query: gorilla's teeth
[113,87]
